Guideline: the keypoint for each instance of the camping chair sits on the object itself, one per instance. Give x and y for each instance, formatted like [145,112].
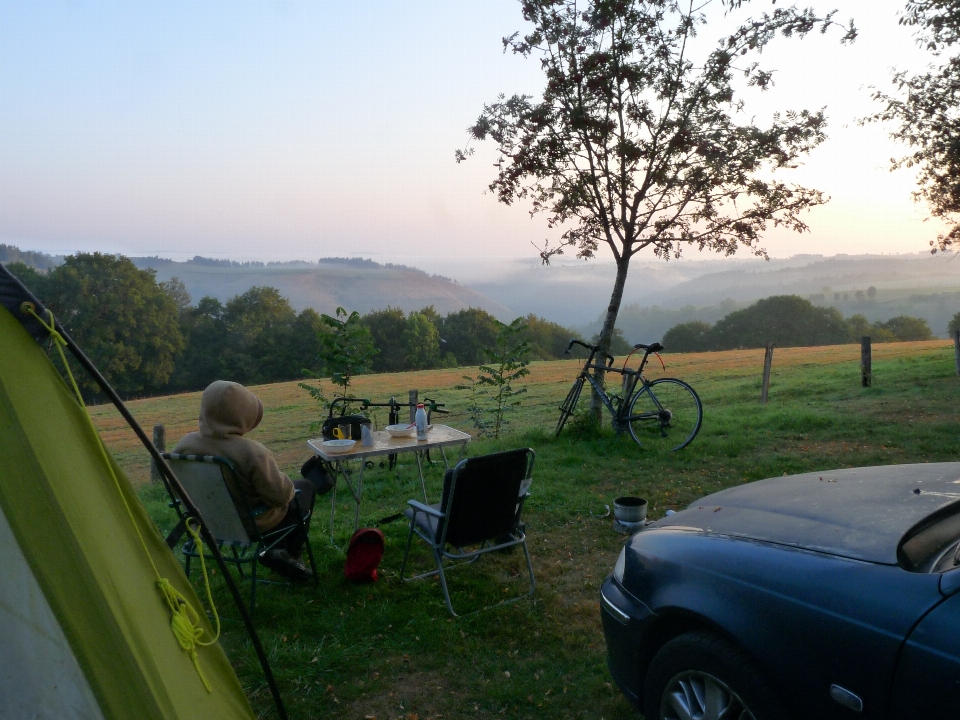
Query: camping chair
[211,483]
[480,512]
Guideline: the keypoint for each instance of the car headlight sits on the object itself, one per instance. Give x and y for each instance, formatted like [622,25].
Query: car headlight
[620,566]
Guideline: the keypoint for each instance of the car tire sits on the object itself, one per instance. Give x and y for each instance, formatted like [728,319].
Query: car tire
[700,675]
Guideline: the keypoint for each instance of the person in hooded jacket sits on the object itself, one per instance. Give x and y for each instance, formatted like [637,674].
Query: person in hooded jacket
[228,411]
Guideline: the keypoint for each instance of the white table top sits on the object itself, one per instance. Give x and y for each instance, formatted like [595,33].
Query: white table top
[383,444]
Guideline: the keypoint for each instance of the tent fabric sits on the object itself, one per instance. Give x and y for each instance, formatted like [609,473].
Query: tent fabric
[68,520]
[39,675]
[11,296]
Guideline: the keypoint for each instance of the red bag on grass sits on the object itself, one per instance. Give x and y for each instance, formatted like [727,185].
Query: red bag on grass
[363,555]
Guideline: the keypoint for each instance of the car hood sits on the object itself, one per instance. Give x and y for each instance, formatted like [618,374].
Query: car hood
[860,513]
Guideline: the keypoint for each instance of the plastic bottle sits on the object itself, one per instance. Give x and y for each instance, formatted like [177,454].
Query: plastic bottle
[421,420]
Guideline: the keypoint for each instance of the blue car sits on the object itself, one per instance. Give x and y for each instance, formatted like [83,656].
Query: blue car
[830,594]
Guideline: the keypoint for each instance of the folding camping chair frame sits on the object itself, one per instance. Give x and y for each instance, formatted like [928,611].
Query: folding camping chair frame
[239,533]
[459,555]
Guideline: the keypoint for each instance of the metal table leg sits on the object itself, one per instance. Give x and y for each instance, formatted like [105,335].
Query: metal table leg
[423,483]
[356,494]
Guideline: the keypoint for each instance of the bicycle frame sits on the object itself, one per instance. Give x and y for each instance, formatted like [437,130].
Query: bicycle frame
[635,377]
[620,416]
[646,413]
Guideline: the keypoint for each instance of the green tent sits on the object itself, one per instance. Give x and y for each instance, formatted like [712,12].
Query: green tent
[84,629]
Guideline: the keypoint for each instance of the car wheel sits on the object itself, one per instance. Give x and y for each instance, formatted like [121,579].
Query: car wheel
[699,676]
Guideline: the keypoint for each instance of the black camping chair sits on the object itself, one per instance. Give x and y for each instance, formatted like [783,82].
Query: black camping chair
[211,482]
[480,512]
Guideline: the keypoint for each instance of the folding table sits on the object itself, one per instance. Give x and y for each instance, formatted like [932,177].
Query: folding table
[438,437]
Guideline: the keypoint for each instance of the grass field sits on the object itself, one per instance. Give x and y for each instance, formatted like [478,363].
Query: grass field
[390,650]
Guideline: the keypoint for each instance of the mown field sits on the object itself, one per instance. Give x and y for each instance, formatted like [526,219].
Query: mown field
[390,650]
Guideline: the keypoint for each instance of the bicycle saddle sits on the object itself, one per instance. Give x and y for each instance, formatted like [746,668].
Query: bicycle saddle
[655,347]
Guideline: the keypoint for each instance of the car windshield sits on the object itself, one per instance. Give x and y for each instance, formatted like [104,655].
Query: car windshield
[934,544]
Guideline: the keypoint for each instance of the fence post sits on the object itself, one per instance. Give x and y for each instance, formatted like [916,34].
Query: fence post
[160,443]
[413,395]
[767,363]
[956,349]
[866,364]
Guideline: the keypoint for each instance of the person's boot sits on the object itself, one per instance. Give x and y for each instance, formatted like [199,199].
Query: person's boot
[279,560]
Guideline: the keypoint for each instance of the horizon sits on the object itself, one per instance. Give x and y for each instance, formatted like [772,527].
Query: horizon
[293,130]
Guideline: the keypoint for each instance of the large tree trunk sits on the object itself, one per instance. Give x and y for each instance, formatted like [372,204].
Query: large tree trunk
[606,332]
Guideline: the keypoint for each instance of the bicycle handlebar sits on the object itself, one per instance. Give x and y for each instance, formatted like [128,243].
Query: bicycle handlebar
[429,403]
[592,348]
[578,342]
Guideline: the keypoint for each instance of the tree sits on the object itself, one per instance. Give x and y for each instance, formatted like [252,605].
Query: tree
[637,143]
[507,362]
[857,327]
[924,109]
[386,329]
[261,344]
[548,340]
[175,288]
[467,333]
[953,325]
[693,336]
[617,345]
[205,333]
[787,320]
[421,342]
[121,318]
[906,328]
[346,349]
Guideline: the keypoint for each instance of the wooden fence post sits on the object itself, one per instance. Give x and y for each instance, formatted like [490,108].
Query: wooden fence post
[956,349]
[413,395]
[160,443]
[866,364]
[767,363]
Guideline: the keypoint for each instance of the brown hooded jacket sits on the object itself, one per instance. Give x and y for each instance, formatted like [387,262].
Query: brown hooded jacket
[227,412]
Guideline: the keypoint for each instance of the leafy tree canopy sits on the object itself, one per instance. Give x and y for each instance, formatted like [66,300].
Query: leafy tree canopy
[787,320]
[924,111]
[548,340]
[905,328]
[386,329]
[638,140]
[693,336]
[468,332]
[421,342]
[122,318]
[790,321]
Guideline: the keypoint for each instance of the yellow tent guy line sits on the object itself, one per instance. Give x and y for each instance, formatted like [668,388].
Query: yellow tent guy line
[184,619]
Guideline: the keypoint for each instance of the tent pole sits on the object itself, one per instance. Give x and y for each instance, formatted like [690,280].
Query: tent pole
[172,484]
[192,510]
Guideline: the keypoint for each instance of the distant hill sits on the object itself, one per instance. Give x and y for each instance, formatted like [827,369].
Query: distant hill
[577,292]
[36,260]
[352,283]
[922,286]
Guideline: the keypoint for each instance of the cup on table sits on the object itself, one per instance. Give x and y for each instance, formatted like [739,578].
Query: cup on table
[343,432]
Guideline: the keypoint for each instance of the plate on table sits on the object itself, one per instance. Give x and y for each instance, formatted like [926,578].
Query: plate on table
[402,430]
[336,447]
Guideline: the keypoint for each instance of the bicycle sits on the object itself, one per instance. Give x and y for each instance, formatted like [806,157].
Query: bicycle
[663,412]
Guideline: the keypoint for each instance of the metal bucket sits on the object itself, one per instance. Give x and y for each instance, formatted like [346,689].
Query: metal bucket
[630,509]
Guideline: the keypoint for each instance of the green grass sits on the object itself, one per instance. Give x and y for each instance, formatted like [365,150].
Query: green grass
[390,650]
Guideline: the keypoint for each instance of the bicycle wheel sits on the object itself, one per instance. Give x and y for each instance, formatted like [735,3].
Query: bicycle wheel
[569,404]
[666,413]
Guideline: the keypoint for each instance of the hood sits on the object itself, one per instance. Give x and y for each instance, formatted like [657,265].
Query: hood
[228,408]
[860,513]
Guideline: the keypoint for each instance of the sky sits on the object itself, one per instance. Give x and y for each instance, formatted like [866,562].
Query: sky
[283,129]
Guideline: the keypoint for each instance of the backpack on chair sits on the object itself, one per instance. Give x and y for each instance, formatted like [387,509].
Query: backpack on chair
[320,474]
[363,555]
